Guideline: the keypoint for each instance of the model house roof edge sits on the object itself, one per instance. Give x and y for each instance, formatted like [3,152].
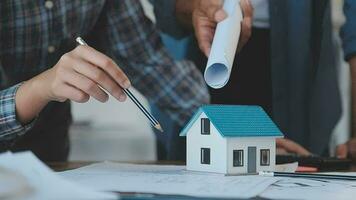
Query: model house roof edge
[191,122]
[185,130]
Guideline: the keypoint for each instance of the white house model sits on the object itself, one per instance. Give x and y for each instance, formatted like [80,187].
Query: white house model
[231,140]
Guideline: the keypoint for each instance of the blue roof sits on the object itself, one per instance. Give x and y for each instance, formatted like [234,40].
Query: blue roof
[237,121]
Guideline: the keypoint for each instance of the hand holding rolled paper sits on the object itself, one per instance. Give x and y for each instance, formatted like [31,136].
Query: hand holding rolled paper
[224,46]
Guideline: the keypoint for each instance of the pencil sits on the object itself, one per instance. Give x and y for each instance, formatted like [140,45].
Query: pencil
[309,175]
[149,116]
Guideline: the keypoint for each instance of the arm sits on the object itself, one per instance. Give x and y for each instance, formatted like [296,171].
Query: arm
[351,144]
[76,76]
[177,88]
[349,148]
[348,36]
[352,63]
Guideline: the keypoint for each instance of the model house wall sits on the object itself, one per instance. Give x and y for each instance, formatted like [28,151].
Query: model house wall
[231,140]
[252,161]
[214,141]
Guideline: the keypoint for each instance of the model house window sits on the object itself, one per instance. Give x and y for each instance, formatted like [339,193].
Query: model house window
[205,126]
[205,156]
[238,158]
[265,157]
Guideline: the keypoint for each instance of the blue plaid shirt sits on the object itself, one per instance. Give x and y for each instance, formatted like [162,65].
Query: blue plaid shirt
[35,33]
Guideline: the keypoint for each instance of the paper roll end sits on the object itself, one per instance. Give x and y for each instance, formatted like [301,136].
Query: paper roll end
[216,75]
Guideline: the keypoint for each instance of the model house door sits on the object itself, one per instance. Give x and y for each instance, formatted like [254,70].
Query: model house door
[251,160]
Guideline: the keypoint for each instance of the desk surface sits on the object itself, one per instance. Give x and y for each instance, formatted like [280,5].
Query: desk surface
[62,166]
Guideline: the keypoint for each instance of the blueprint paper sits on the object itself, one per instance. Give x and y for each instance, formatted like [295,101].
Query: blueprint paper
[309,189]
[222,54]
[43,183]
[167,180]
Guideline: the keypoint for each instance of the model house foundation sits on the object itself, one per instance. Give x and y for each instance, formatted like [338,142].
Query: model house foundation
[231,139]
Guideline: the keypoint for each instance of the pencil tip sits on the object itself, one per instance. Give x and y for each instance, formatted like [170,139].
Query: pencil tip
[159,127]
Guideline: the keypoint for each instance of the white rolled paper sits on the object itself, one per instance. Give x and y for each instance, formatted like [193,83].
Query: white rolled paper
[223,49]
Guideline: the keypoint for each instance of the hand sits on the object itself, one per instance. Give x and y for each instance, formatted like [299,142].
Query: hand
[78,75]
[347,150]
[285,146]
[206,15]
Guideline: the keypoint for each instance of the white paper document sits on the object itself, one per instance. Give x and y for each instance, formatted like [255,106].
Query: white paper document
[36,181]
[223,49]
[167,180]
[309,189]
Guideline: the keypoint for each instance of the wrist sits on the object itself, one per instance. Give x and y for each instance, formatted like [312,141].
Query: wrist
[30,100]
[39,91]
[352,62]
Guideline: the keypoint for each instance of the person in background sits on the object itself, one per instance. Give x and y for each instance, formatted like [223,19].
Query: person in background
[288,65]
[41,70]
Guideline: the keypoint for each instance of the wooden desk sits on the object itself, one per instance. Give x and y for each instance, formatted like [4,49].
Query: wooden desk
[62,166]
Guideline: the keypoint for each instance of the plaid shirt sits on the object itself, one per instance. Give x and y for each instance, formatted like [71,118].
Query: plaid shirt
[35,33]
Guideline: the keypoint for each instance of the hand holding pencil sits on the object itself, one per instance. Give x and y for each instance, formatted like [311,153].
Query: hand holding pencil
[79,74]
[124,89]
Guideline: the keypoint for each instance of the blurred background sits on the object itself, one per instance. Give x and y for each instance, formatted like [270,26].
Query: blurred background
[118,131]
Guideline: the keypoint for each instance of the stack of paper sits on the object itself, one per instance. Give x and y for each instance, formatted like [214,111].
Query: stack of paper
[175,180]
[23,176]
[167,180]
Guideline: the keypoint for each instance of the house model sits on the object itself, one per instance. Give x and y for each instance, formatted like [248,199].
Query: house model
[231,140]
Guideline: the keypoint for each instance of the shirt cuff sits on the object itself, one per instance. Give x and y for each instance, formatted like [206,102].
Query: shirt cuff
[10,127]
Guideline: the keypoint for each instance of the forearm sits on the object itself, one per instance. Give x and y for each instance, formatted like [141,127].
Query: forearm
[352,63]
[29,100]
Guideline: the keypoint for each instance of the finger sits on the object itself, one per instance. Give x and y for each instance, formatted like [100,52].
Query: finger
[246,24]
[341,151]
[85,84]
[73,93]
[204,33]
[292,147]
[220,15]
[105,63]
[100,77]
[281,151]
[213,10]
[246,32]
[247,9]
[205,43]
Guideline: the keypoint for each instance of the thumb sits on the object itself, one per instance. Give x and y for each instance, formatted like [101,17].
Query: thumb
[341,151]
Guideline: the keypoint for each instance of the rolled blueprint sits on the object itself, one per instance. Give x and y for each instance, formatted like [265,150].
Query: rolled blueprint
[223,49]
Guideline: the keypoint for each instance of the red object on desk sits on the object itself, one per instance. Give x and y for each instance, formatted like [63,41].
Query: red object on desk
[306,169]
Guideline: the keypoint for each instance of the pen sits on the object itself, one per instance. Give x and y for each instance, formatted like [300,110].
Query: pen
[149,116]
[308,175]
